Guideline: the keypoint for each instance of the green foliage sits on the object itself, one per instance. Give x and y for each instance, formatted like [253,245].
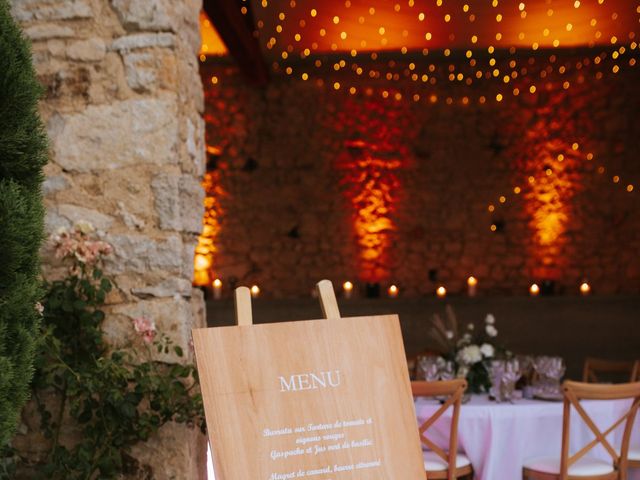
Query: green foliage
[23,152]
[115,398]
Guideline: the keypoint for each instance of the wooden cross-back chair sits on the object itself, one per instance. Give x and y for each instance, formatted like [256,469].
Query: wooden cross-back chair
[594,368]
[578,465]
[440,464]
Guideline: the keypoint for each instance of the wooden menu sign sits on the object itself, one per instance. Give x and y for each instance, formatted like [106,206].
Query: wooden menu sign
[320,399]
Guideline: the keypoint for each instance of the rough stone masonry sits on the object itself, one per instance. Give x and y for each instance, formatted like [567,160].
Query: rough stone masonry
[123,103]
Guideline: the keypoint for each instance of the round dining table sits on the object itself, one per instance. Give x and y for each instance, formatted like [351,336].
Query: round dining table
[499,437]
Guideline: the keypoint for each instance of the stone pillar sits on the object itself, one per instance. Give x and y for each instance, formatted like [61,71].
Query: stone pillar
[123,103]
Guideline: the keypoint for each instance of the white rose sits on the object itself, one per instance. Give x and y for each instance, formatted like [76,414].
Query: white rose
[469,355]
[487,350]
[462,372]
[449,334]
[471,326]
[490,319]
[491,330]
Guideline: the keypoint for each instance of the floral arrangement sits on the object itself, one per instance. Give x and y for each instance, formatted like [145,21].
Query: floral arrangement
[471,349]
[111,398]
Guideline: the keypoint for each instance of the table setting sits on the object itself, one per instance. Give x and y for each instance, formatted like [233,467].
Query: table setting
[513,408]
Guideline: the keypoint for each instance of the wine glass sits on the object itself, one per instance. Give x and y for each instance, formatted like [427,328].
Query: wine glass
[496,371]
[555,373]
[510,376]
[428,368]
[446,371]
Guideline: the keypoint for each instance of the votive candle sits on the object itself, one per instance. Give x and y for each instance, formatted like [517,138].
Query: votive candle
[217,289]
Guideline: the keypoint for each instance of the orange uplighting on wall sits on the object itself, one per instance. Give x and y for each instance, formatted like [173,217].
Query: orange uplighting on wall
[206,249]
[369,162]
[211,43]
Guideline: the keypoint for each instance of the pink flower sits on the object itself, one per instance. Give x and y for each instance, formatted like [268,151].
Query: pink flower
[76,243]
[146,328]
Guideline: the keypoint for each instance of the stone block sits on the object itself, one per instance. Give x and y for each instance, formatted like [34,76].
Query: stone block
[185,214]
[44,31]
[29,10]
[54,184]
[177,452]
[166,288]
[124,133]
[157,15]
[191,204]
[138,253]
[91,50]
[143,40]
[166,193]
[173,317]
[75,213]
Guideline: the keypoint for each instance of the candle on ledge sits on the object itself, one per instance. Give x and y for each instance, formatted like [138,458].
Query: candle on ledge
[393,291]
[255,291]
[585,289]
[217,289]
[534,290]
[347,288]
[472,286]
[441,292]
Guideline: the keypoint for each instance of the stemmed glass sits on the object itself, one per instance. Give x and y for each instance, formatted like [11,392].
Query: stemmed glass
[555,372]
[510,376]
[428,368]
[496,371]
[549,372]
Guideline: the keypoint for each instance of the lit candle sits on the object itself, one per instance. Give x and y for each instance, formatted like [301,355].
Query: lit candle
[217,289]
[255,291]
[472,286]
[585,289]
[393,291]
[441,292]
[534,290]
[347,288]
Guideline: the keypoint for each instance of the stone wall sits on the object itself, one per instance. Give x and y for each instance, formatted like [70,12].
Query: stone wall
[401,182]
[122,105]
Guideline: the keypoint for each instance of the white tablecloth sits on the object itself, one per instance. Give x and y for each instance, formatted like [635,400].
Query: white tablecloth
[498,437]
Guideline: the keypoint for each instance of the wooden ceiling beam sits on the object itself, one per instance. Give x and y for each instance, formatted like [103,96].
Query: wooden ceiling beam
[236,32]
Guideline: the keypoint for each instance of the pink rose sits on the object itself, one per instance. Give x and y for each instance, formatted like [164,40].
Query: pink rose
[146,328]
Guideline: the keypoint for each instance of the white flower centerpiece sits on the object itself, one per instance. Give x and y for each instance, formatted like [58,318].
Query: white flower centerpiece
[470,349]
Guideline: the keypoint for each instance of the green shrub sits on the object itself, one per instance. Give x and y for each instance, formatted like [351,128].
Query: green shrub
[23,152]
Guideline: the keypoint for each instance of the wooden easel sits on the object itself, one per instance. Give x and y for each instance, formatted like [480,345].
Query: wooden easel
[264,385]
[327,295]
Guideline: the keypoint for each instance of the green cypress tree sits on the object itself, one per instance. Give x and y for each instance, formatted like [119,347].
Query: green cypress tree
[23,153]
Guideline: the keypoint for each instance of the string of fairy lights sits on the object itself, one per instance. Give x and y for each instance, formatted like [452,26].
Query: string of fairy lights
[442,42]
[454,52]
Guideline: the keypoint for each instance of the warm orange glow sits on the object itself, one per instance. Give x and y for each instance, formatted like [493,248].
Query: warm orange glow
[205,250]
[534,290]
[585,288]
[472,281]
[347,289]
[441,292]
[369,162]
[217,283]
[393,291]
[255,291]
[425,24]
[211,43]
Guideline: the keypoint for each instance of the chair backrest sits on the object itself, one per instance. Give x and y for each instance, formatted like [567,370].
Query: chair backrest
[593,367]
[574,392]
[635,374]
[452,390]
